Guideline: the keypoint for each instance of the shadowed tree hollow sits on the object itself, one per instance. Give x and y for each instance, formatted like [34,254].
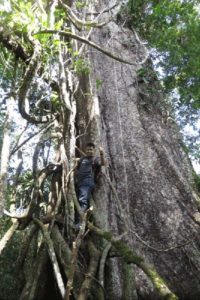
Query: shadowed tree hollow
[71,75]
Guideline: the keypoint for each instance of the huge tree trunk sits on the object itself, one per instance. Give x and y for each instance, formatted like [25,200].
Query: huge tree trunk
[156,203]
[143,240]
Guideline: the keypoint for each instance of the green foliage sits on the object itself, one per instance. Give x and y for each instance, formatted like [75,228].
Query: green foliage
[26,180]
[80,4]
[196,181]
[146,74]
[172,27]
[194,147]
[7,61]
[22,19]
[81,66]
[98,83]
[55,101]
[24,189]
[25,18]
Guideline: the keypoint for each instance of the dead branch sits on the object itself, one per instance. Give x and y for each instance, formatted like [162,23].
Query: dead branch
[14,215]
[131,257]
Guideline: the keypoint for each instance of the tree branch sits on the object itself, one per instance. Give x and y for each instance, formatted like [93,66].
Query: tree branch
[52,256]
[17,147]
[24,89]
[64,92]
[7,236]
[92,269]
[62,249]
[77,22]
[131,257]
[102,263]
[83,40]
[76,245]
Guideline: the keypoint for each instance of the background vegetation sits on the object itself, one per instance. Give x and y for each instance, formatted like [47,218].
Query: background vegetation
[171,28]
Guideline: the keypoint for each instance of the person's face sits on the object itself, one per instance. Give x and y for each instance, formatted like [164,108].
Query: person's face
[89,151]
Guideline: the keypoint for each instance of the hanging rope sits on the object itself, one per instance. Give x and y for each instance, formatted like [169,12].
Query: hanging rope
[126,198]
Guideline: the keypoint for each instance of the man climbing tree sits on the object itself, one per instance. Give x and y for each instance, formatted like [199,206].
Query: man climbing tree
[82,73]
[87,171]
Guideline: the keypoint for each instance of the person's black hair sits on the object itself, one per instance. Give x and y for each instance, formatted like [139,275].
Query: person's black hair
[90,145]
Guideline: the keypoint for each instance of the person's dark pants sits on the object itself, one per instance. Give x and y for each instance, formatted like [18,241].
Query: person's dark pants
[84,190]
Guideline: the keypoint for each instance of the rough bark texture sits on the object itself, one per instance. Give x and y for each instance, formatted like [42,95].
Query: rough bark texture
[149,169]
[144,204]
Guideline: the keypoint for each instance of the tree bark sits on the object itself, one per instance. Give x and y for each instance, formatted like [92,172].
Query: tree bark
[7,236]
[147,166]
[145,197]
[5,153]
